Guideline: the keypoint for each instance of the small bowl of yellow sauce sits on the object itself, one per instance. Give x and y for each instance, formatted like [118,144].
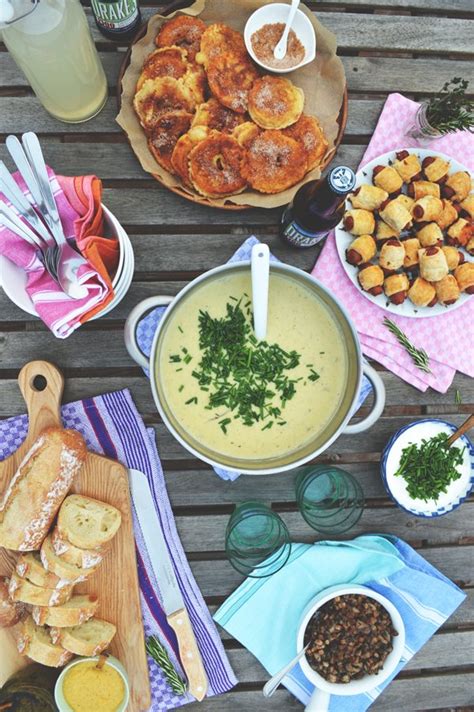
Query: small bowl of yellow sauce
[85,686]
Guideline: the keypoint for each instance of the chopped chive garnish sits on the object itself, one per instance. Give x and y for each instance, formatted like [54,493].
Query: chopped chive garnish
[191,400]
[180,329]
[181,388]
[224,423]
[268,425]
[187,358]
[178,369]
[175,358]
[313,375]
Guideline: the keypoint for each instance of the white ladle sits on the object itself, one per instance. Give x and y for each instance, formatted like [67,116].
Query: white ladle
[274,681]
[280,49]
[260,265]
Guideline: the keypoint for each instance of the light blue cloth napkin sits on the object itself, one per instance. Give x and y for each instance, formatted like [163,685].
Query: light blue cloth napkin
[148,325]
[264,614]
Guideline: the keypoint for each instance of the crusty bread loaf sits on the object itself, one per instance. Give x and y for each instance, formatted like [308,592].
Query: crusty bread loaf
[11,612]
[65,571]
[90,638]
[84,558]
[88,523]
[20,589]
[38,487]
[29,566]
[76,611]
[35,642]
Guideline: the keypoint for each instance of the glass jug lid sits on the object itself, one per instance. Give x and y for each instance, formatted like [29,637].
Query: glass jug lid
[13,10]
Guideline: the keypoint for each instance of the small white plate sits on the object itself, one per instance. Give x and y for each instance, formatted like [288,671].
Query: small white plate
[344,239]
[278,12]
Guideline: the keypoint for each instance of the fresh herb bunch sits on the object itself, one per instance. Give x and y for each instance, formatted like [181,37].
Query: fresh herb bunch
[430,467]
[160,655]
[451,110]
[243,377]
[419,356]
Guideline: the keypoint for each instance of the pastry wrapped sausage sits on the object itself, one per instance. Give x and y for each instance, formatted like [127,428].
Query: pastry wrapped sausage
[368,197]
[421,188]
[470,246]
[458,186]
[433,265]
[430,234]
[447,290]
[412,245]
[392,255]
[467,206]
[384,231]
[422,293]
[387,178]
[465,277]
[405,201]
[427,209]
[407,166]
[395,215]
[371,278]
[453,256]
[359,221]
[460,232]
[396,288]
[447,216]
[435,169]
[361,250]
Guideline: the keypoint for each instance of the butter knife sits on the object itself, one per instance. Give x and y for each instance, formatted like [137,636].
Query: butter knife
[173,604]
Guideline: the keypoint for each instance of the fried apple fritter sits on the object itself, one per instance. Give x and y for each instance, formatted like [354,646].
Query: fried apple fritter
[275,102]
[184,31]
[214,166]
[163,137]
[184,146]
[160,96]
[215,116]
[273,162]
[309,134]
[164,62]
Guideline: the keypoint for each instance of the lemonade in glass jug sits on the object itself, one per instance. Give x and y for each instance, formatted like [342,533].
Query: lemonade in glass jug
[51,42]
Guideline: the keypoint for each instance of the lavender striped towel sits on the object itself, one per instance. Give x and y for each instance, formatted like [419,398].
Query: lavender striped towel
[112,426]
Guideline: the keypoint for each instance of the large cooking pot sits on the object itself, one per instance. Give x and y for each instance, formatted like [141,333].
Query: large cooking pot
[338,424]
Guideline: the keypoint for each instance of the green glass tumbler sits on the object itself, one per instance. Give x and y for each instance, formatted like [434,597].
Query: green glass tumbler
[257,541]
[330,499]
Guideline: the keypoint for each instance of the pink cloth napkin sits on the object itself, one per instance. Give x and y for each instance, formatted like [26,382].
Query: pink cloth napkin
[59,312]
[448,339]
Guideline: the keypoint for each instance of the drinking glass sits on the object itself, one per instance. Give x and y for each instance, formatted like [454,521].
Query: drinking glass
[257,541]
[330,499]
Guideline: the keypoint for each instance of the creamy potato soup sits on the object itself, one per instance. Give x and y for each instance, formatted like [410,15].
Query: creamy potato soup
[247,399]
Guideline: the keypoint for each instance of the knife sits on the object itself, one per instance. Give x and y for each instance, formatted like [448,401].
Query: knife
[173,604]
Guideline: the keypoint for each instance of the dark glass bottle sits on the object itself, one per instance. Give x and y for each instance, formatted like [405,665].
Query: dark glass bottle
[117,19]
[316,208]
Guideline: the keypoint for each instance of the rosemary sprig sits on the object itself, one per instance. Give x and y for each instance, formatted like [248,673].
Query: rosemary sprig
[160,655]
[451,110]
[419,356]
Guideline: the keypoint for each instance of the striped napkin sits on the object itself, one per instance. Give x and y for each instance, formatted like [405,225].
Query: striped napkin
[448,338]
[422,595]
[148,325]
[112,426]
[76,199]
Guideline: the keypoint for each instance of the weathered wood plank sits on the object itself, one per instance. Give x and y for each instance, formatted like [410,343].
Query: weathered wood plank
[218,578]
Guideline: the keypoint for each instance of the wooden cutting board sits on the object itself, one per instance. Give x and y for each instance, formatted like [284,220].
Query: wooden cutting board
[116,580]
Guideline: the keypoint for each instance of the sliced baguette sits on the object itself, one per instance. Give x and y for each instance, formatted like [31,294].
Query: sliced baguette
[20,589]
[35,642]
[91,638]
[29,566]
[76,611]
[67,572]
[88,523]
[38,487]
[84,558]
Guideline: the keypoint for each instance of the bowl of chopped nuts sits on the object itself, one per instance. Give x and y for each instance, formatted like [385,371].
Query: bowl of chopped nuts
[355,639]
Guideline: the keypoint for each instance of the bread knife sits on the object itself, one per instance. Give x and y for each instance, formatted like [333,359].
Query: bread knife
[173,604]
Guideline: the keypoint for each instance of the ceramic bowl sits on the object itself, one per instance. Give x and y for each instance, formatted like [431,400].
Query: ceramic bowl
[278,12]
[59,698]
[320,700]
[13,279]
[395,486]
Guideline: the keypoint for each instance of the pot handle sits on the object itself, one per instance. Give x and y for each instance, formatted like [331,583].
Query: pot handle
[379,402]
[133,319]
[319,701]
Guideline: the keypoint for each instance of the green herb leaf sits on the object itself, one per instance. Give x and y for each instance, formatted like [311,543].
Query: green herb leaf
[419,356]
[160,655]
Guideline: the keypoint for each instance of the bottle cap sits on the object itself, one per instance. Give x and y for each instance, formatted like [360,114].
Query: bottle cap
[341,179]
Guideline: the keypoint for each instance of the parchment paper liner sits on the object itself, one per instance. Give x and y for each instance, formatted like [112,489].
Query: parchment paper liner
[323,82]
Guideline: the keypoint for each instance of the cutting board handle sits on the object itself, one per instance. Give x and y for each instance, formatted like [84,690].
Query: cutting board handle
[42,386]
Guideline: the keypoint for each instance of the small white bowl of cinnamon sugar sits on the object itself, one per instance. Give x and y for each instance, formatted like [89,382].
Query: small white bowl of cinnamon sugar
[264,29]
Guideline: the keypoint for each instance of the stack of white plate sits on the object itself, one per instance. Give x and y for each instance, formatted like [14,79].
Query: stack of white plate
[13,278]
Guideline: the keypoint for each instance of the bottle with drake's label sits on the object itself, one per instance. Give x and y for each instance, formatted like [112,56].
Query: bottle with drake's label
[317,208]
[117,19]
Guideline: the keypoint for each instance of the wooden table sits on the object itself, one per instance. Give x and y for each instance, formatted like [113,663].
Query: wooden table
[411,46]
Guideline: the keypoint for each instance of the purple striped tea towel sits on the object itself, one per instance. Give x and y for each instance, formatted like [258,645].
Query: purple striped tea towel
[112,426]
[148,325]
